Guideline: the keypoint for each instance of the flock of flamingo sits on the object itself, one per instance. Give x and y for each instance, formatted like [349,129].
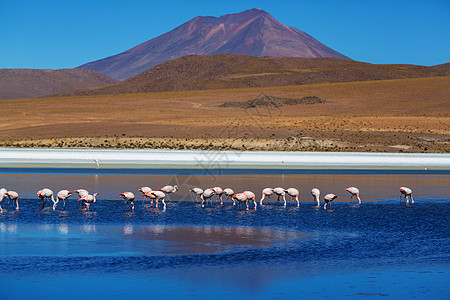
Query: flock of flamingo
[206,196]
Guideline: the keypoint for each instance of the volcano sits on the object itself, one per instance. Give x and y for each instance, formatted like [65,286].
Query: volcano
[252,32]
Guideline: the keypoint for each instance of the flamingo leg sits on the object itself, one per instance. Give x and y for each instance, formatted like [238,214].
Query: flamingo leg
[55,203]
[64,204]
[162,200]
[17,204]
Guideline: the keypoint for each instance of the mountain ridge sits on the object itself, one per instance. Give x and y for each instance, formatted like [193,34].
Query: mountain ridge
[30,83]
[225,71]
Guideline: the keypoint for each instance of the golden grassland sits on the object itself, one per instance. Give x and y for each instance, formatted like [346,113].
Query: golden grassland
[406,115]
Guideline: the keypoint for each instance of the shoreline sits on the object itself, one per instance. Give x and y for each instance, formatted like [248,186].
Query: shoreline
[214,160]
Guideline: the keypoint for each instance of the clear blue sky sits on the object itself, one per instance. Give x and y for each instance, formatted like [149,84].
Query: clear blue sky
[68,33]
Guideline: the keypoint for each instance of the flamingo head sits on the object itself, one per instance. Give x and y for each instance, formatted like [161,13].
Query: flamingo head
[176,187]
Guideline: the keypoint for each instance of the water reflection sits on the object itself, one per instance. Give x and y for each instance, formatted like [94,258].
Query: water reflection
[88,229]
[63,229]
[208,239]
[10,228]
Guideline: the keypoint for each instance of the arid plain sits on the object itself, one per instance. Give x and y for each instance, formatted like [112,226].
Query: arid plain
[401,115]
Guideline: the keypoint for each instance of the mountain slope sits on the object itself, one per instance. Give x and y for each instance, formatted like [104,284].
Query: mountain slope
[253,32]
[28,83]
[446,65]
[223,71]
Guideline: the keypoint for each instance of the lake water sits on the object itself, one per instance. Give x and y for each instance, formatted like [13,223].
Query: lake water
[382,248]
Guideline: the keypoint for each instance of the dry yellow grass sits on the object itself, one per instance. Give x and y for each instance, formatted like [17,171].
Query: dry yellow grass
[389,115]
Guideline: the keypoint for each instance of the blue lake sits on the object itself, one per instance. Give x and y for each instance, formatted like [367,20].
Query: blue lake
[382,248]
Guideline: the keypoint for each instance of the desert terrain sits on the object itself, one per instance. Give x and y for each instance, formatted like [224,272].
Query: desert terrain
[400,115]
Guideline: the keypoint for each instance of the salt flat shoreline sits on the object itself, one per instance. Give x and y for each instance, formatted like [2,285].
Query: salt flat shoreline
[202,159]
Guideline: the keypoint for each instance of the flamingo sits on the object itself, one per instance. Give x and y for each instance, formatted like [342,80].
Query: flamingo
[229,192]
[280,192]
[207,194]
[144,190]
[3,192]
[354,192]
[197,192]
[250,197]
[328,198]
[46,193]
[129,199]
[294,194]
[88,200]
[245,197]
[63,195]
[81,193]
[407,193]
[157,195]
[266,193]
[12,195]
[218,191]
[316,194]
[168,189]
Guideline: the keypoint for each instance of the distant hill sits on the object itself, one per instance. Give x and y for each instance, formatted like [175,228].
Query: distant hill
[446,65]
[223,71]
[28,83]
[253,32]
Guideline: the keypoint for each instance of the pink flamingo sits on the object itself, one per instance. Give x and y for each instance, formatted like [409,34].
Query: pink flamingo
[218,191]
[144,190]
[280,192]
[62,196]
[245,197]
[229,192]
[266,193]
[88,200]
[197,192]
[207,194]
[12,195]
[46,193]
[157,195]
[407,193]
[354,193]
[251,197]
[129,199]
[294,194]
[81,193]
[3,192]
[168,189]
[315,192]
[329,198]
